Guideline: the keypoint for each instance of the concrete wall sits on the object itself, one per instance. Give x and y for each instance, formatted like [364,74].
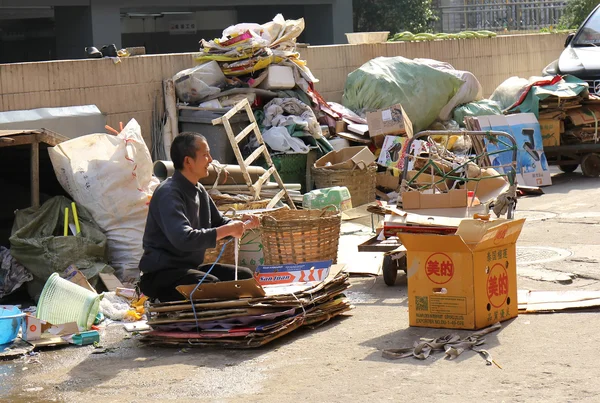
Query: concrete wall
[122,91]
[127,90]
[491,60]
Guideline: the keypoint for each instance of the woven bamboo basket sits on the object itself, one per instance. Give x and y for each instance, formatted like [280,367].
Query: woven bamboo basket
[228,257]
[298,236]
[250,205]
[211,255]
[360,182]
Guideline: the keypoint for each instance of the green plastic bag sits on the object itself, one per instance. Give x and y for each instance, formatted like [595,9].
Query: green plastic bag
[37,242]
[385,81]
[484,107]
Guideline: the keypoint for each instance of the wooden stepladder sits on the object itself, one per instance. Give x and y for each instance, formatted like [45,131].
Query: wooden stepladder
[234,140]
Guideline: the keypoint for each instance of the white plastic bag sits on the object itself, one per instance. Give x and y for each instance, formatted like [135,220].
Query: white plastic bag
[279,139]
[111,176]
[197,83]
[470,91]
[509,92]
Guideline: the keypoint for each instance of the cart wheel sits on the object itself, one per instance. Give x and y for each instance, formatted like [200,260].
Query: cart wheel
[568,168]
[390,270]
[403,264]
[590,165]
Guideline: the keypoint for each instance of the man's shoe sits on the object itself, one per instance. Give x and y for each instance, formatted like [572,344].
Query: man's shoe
[93,53]
[109,51]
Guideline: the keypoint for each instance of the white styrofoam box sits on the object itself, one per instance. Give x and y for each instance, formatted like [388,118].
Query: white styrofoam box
[279,78]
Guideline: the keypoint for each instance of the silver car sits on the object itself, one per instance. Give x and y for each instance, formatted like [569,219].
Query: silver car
[581,57]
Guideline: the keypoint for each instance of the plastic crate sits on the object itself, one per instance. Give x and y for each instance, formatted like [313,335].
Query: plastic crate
[291,168]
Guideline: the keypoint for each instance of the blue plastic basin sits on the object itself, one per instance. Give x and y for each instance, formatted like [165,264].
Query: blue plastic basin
[10,323]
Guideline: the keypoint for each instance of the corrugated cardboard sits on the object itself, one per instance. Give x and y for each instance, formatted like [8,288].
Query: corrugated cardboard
[550,132]
[110,281]
[77,277]
[586,115]
[34,328]
[463,281]
[417,200]
[223,290]
[37,329]
[427,180]
[488,189]
[387,121]
[346,158]
[387,181]
[340,126]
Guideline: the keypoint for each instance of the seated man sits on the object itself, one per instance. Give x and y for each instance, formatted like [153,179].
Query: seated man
[182,223]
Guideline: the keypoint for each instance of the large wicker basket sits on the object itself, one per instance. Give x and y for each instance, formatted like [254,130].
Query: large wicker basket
[249,205]
[228,257]
[360,182]
[298,236]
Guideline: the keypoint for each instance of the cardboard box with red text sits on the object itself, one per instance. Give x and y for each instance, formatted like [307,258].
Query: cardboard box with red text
[463,281]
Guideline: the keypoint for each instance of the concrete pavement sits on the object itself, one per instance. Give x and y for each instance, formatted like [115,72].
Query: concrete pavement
[544,357]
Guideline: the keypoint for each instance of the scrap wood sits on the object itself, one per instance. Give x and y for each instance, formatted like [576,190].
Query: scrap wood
[451,344]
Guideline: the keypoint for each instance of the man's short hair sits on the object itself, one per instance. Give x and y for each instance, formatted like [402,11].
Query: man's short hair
[184,145]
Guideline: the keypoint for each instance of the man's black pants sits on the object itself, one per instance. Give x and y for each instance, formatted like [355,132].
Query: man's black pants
[162,284]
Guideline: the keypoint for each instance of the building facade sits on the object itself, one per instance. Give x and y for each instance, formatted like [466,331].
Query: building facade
[35,30]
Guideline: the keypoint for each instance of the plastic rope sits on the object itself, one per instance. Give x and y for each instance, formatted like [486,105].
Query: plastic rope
[200,282]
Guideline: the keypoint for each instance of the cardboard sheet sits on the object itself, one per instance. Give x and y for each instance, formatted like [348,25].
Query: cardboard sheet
[586,115]
[550,301]
[223,290]
[346,158]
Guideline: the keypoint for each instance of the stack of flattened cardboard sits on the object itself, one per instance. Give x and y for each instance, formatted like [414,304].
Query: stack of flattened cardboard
[246,314]
[581,125]
[567,120]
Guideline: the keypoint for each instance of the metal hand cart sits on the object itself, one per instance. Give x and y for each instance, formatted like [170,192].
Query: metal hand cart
[395,253]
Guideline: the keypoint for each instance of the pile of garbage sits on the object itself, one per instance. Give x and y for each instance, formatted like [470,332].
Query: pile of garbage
[250,61]
[261,64]
[249,48]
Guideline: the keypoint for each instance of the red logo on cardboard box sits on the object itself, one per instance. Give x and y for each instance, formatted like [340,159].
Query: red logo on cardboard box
[497,285]
[501,234]
[439,268]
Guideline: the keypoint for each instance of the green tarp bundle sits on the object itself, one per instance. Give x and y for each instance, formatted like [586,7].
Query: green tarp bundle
[39,244]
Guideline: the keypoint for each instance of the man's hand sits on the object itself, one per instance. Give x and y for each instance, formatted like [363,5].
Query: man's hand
[251,221]
[234,229]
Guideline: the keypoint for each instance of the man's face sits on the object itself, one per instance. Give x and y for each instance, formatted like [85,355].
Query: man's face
[199,165]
